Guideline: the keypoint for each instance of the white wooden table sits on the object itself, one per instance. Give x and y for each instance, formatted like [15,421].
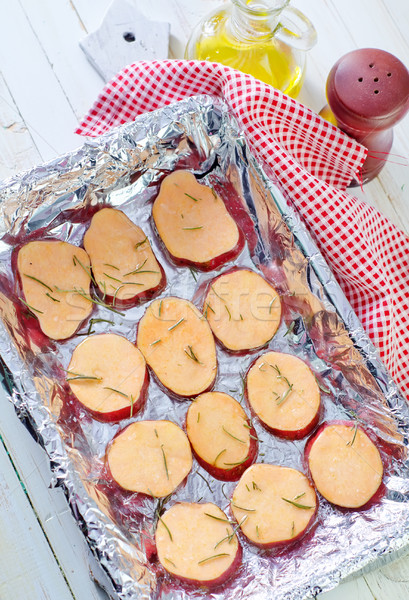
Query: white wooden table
[46,85]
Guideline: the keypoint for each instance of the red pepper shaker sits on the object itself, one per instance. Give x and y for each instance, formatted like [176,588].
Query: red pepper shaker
[368,93]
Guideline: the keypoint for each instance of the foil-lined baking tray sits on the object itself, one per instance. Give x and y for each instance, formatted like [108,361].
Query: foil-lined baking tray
[123,169]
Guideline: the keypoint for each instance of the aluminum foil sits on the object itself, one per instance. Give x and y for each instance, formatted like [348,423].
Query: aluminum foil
[124,169]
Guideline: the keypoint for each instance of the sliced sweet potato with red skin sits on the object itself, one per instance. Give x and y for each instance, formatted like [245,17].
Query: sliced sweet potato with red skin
[108,376]
[345,464]
[125,269]
[50,272]
[222,439]
[242,309]
[194,223]
[274,505]
[178,345]
[283,392]
[197,543]
[150,457]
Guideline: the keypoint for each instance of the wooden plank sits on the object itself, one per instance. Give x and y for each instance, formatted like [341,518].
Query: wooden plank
[50,505]
[17,148]
[58,27]
[28,567]
[36,91]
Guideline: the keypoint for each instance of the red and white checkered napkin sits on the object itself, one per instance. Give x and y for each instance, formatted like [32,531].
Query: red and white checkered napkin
[314,162]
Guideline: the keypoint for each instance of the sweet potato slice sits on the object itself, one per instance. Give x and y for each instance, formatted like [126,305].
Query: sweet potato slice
[345,464]
[150,457]
[196,543]
[243,310]
[222,439]
[50,272]
[283,392]
[108,376]
[123,264]
[178,345]
[194,223]
[274,505]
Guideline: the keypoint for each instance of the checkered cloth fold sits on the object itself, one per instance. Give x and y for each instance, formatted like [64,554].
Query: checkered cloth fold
[314,162]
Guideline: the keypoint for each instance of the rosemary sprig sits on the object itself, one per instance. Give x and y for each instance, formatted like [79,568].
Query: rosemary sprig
[192,228]
[38,281]
[176,324]
[206,482]
[281,377]
[83,294]
[31,307]
[297,504]
[116,391]
[212,557]
[232,436]
[192,355]
[218,456]
[87,270]
[351,442]
[140,243]
[165,526]
[242,508]
[52,297]
[191,197]
[164,460]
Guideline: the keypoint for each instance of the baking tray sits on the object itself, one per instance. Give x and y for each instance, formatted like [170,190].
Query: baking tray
[123,169]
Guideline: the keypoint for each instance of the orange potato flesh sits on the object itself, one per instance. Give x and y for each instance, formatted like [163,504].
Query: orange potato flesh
[217,428]
[283,392]
[117,248]
[178,345]
[243,310]
[270,520]
[115,363]
[150,457]
[345,465]
[187,537]
[50,272]
[192,220]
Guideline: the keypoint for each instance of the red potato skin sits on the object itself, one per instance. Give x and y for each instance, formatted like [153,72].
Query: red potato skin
[221,345]
[214,263]
[380,492]
[138,298]
[230,474]
[282,433]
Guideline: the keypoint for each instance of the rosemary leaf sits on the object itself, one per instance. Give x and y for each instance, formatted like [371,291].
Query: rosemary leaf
[218,518]
[206,482]
[233,436]
[113,278]
[271,305]
[160,308]
[192,228]
[86,269]
[192,355]
[193,273]
[351,442]
[236,464]
[52,297]
[132,403]
[140,243]
[299,496]
[38,281]
[155,342]
[293,529]
[176,324]
[170,562]
[212,557]
[31,307]
[218,456]
[112,266]
[192,197]
[116,391]
[241,507]
[137,268]
[166,527]
[297,504]
[228,312]
[77,377]
[164,460]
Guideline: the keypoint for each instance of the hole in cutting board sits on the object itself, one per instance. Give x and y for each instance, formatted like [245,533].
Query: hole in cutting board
[128,36]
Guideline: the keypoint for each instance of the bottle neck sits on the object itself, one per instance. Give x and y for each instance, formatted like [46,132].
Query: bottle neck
[255,21]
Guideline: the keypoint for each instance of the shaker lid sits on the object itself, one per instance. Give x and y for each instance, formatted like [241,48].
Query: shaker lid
[369,84]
